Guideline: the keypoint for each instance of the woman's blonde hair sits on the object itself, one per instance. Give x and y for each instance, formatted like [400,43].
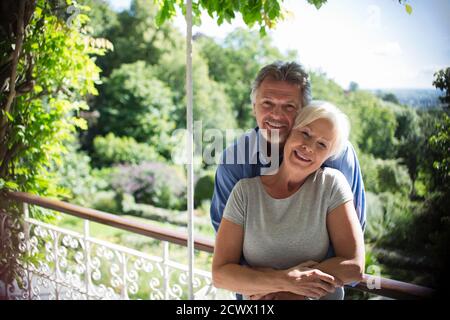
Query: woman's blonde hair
[325,110]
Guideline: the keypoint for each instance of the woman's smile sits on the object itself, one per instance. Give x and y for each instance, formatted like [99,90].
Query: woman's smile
[301,156]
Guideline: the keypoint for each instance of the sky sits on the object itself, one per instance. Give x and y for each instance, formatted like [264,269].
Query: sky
[374,43]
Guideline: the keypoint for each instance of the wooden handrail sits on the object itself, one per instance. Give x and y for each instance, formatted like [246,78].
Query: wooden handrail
[388,288]
[394,289]
[145,229]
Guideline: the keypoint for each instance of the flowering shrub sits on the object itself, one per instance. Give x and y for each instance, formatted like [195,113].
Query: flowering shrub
[152,183]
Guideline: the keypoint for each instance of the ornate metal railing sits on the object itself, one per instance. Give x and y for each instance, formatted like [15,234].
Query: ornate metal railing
[74,265]
[65,264]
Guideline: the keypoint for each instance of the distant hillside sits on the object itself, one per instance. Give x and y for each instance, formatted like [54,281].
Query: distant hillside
[416,98]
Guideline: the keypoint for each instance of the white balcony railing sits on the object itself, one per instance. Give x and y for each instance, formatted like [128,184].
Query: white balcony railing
[66,264]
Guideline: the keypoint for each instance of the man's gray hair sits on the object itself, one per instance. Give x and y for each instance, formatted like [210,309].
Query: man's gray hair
[291,72]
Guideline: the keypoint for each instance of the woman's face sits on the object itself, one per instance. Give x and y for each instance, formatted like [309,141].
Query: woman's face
[308,147]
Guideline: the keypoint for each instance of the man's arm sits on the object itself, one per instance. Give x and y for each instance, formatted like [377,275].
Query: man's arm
[227,175]
[348,164]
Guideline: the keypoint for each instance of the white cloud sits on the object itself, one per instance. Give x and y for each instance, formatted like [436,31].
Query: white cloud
[373,17]
[387,49]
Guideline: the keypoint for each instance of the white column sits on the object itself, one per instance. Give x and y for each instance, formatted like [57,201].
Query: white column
[190,142]
[166,274]
[87,258]
[26,231]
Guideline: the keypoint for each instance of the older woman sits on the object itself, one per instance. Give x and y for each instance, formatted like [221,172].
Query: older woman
[284,222]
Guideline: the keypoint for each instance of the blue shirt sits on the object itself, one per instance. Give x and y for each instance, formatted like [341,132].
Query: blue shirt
[246,159]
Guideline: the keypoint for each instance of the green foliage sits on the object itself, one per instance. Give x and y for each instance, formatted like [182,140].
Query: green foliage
[408,8]
[442,81]
[50,71]
[395,221]
[326,89]
[211,105]
[102,18]
[105,201]
[390,97]
[317,3]
[377,125]
[134,103]
[353,86]
[431,228]
[384,175]
[111,150]
[226,60]
[439,156]
[376,221]
[135,36]
[264,13]
[204,188]
[421,233]
[393,177]
[151,183]
[44,119]
[411,141]
[74,176]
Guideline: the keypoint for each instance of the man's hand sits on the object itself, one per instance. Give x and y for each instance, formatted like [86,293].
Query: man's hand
[283,295]
[306,281]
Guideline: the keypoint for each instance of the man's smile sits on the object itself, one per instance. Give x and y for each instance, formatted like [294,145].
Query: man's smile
[275,125]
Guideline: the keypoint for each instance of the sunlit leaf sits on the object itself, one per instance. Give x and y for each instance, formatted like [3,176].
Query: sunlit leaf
[408,8]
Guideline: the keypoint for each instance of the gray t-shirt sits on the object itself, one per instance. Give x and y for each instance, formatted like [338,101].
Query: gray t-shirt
[282,233]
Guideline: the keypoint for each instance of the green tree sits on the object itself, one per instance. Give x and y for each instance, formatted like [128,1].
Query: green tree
[384,175]
[264,13]
[353,86]
[235,62]
[133,102]
[136,37]
[324,88]
[51,71]
[411,142]
[442,81]
[211,104]
[47,70]
[102,18]
[390,97]
[111,150]
[439,156]
[377,125]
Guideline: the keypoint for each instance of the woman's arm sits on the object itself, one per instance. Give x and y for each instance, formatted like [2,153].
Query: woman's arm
[226,271]
[347,238]
[228,274]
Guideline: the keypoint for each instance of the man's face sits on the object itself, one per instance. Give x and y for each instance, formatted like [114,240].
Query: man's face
[276,105]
